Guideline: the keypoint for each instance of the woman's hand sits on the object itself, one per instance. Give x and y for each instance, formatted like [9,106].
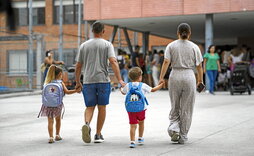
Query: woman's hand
[162,81]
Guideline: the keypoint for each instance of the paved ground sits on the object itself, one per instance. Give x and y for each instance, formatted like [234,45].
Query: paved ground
[222,125]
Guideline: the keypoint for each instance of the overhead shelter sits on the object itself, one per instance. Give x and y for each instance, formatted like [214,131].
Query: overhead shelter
[217,22]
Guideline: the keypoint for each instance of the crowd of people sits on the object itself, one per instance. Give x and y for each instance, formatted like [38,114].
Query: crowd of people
[214,58]
[219,64]
[150,63]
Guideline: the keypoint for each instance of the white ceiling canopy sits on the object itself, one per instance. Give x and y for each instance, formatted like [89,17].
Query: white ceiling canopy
[227,26]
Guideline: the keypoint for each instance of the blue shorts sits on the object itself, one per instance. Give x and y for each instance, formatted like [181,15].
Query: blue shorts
[96,94]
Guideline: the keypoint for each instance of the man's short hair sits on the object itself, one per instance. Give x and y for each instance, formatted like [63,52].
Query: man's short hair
[135,73]
[97,27]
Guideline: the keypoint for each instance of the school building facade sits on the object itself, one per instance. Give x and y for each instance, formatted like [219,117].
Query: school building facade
[14,46]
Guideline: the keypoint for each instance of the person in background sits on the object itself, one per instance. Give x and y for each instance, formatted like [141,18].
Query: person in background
[142,62]
[48,61]
[123,65]
[148,60]
[135,57]
[211,66]
[235,57]
[155,68]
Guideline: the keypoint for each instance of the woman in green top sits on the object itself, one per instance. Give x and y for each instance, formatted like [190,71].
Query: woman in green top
[211,66]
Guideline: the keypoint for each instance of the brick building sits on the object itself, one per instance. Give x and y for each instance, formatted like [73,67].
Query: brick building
[14,45]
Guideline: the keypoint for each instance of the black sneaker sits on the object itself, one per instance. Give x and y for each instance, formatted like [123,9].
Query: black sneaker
[98,138]
[86,133]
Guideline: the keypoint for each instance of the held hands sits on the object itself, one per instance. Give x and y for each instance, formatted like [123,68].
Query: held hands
[78,87]
[161,82]
[121,90]
[122,83]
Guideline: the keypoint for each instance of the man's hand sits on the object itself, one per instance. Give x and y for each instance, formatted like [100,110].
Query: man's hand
[78,87]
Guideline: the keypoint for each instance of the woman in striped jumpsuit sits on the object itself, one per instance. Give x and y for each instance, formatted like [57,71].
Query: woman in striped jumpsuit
[183,55]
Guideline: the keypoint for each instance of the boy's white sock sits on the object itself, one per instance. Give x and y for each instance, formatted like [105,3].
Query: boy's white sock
[133,142]
[140,138]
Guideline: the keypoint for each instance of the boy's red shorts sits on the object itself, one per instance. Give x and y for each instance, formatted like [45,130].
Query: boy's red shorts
[135,117]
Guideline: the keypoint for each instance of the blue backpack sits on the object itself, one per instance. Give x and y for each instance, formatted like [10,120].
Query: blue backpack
[52,94]
[135,100]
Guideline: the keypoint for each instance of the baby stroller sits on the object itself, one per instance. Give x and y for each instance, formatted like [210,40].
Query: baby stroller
[223,78]
[239,81]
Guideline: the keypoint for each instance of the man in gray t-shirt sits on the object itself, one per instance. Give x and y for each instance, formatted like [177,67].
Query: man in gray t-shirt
[93,58]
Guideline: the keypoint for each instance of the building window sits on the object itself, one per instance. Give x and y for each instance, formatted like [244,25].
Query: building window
[18,62]
[22,15]
[22,12]
[70,13]
[38,16]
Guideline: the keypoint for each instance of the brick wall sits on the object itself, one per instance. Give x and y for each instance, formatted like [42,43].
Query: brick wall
[112,9]
[51,33]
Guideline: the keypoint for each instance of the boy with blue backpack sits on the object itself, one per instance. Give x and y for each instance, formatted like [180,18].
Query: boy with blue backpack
[136,103]
[52,100]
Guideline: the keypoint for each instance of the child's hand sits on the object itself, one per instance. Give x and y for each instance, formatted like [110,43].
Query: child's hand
[78,90]
[121,90]
[162,81]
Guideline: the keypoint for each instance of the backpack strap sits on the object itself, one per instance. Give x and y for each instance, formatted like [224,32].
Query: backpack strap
[130,85]
[140,86]
[140,90]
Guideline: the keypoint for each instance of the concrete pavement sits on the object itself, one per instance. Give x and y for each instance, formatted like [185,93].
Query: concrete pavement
[222,125]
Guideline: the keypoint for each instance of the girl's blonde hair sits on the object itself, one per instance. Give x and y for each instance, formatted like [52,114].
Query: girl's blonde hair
[52,73]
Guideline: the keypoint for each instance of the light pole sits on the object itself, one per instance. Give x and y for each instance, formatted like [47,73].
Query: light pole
[30,55]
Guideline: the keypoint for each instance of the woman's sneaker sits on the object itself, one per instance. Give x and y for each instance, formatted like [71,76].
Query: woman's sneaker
[182,140]
[132,145]
[140,141]
[86,133]
[98,138]
[175,137]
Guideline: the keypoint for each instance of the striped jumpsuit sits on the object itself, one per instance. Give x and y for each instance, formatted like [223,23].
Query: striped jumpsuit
[184,55]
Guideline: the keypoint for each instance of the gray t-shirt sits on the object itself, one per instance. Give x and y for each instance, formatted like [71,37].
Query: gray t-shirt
[94,55]
[183,54]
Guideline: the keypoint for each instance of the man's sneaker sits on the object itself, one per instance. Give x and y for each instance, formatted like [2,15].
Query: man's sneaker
[86,133]
[132,145]
[98,138]
[175,137]
[140,141]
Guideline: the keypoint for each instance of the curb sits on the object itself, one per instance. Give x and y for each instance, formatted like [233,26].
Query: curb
[10,95]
